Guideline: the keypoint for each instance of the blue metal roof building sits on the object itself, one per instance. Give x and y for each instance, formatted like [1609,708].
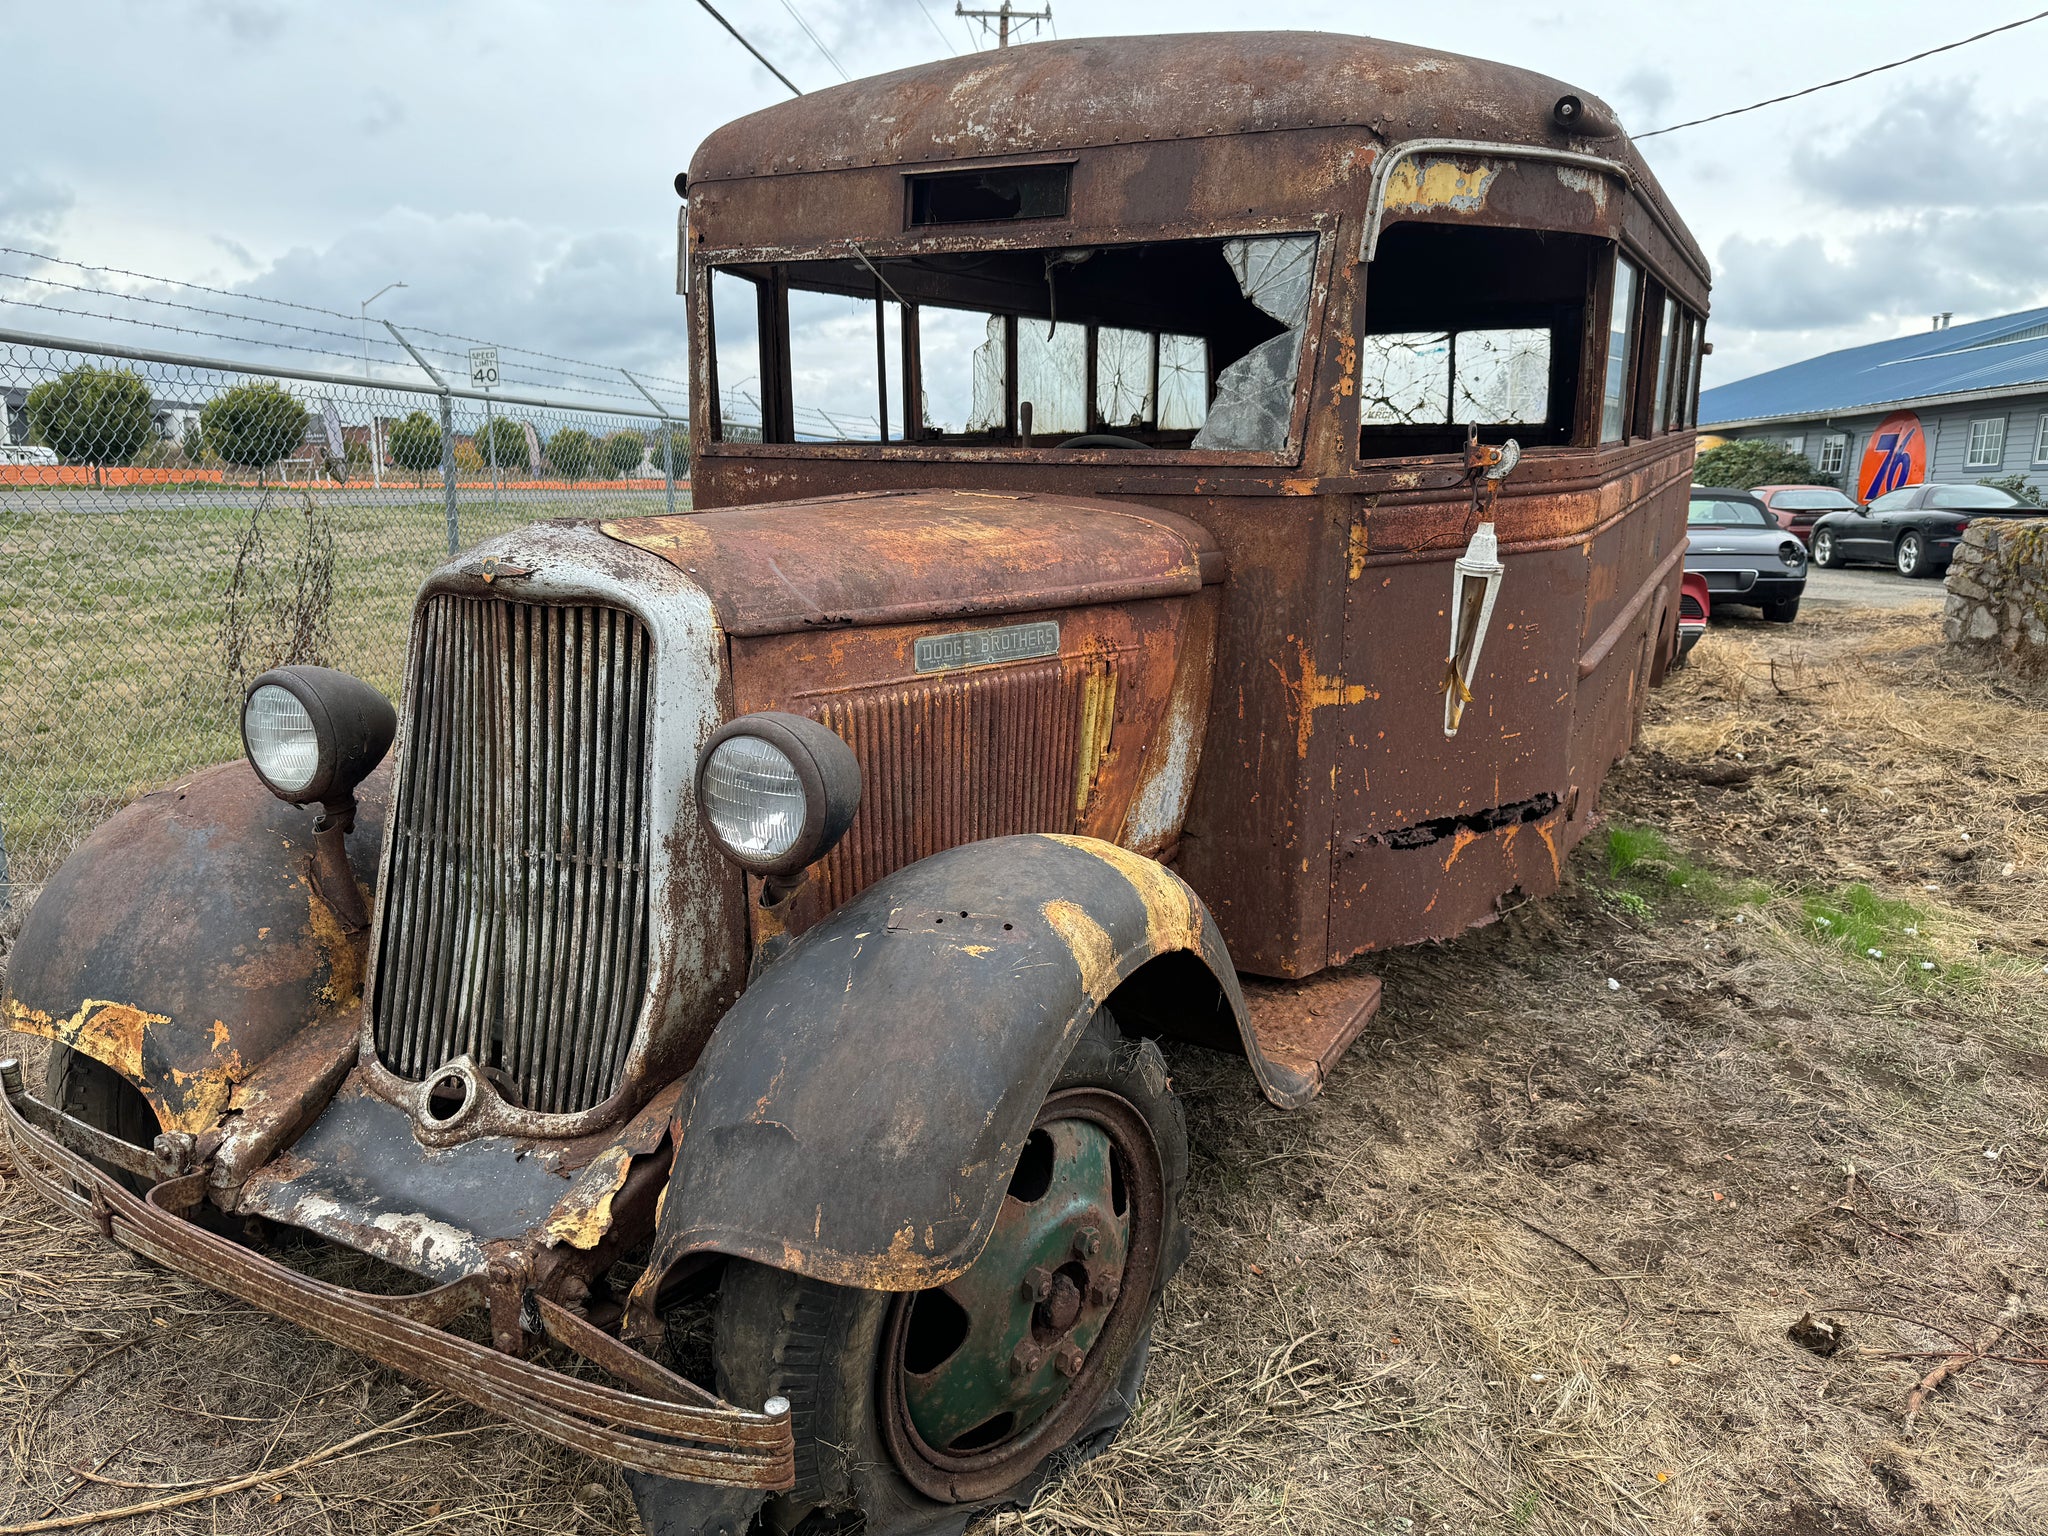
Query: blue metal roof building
[1978,394]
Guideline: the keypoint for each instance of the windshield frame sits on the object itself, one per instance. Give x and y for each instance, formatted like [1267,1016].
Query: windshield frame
[1764,520]
[1026,237]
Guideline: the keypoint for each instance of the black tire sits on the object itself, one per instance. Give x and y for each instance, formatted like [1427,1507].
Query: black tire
[1912,558]
[823,1347]
[1782,610]
[1824,551]
[91,1091]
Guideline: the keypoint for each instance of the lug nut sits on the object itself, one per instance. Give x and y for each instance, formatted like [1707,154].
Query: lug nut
[1069,1360]
[1037,1283]
[1087,1242]
[1102,1292]
[1025,1360]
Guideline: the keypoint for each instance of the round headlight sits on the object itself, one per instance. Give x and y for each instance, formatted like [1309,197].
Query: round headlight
[313,733]
[753,797]
[777,791]
[1792,552]
[283,746]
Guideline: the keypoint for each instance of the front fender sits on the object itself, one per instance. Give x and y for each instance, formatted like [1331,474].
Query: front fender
[185,941]
[858,1112]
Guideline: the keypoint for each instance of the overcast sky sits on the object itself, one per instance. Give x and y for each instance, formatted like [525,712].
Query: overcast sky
[512,161]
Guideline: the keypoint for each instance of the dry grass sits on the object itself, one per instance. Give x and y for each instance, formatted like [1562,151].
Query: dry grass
[1530,1263]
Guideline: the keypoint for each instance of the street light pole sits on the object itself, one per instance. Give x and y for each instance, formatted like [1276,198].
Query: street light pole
[376,444]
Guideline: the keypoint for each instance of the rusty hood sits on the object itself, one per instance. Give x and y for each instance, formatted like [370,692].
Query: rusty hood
[899,557]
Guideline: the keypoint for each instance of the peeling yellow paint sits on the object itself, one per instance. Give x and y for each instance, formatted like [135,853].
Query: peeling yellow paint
[1439,184]
[112,1033]
[1305,486]
[583,1215]
[1314,691]
[1361,540]
[977,950]
[220,1035]
[1087,942]
[345,952]
[1172,918]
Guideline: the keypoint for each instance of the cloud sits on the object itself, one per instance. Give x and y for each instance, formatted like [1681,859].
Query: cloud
[381,112]
[31,207]
[1929,148]
[1643,95]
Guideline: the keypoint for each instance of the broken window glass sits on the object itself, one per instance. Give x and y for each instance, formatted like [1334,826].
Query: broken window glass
[1183,383]
[1123,377]
[1254,404]
[1500,377]
[960,352]
[1052,377]
[1405,378]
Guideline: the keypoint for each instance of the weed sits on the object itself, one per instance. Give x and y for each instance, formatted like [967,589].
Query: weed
[1644,856]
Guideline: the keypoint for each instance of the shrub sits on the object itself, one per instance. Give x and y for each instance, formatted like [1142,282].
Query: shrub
[91,415]
[572,451]
[415,443]
[621,453]
[252,425]
[658,450]
[466,461]
[1755,461]
[509,440]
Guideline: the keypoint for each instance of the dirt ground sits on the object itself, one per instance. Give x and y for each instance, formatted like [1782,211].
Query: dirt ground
[1772,1067]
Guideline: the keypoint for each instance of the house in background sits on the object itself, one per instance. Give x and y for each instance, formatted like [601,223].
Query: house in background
[1958,403]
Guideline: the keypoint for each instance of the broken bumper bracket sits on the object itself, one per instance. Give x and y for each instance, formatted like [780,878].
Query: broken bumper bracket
[665,1426]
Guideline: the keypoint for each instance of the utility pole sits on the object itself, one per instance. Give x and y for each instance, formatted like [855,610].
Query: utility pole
[1002,16]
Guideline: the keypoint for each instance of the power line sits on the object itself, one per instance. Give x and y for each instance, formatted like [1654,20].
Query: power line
[830,58]
[757,53]
[928,16]
[1861,74]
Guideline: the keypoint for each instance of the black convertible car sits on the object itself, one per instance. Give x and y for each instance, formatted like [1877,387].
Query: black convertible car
[1915,528]
[1746,558]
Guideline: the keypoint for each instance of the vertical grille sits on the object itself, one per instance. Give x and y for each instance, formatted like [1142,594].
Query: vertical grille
[978,754]
[515,911]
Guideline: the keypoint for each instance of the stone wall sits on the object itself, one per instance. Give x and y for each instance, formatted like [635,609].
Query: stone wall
[1998,591]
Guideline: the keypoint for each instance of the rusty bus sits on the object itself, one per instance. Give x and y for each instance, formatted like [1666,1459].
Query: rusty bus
[1270,521]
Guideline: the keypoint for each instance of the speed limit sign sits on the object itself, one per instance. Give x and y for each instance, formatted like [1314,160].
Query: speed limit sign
[483,367]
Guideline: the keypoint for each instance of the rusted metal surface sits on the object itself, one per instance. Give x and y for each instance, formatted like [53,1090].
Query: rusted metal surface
[868,1144]
[1060,743]
[660,1424]
[1309,1025]
[188,940]
[899,557]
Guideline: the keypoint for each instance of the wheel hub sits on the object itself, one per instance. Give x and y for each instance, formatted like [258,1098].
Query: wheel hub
[985,1375]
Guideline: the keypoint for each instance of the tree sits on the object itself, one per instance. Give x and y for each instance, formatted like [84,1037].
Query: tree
[92,415]
[2016,486]
[415,443]
[1754,461]
[572,451]
[509,440]
[621,453]
[658,449]
[253,425]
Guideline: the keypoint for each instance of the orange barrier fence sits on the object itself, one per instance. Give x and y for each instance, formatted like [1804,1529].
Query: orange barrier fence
[119,475]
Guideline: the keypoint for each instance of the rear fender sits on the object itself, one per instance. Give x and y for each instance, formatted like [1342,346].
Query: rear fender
[859,1111]
[186,941]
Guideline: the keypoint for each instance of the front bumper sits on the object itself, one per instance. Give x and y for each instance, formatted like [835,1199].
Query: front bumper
[665,1427]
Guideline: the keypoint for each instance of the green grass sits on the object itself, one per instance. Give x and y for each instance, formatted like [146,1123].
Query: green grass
[1645,865]
[112,678]
[1884,932]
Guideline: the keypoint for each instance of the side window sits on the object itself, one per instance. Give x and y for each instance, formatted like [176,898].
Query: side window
[1052,377]
[963,373]
[1895,500]
[1471,329]
[1667,359]
[736,355]
[840,370]
[1621,335]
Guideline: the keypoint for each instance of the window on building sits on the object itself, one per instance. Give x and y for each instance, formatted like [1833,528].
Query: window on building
[2041,440]
[1795,442]
[1621,331]
[1987,443]
[1834,451]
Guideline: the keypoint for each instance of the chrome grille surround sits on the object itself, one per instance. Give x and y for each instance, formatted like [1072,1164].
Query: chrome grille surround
[695,920]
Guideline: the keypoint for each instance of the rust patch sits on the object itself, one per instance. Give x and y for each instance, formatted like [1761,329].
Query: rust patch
[1437,185]
[1361,546]
[583,1215]
[346,952]
[1313,691]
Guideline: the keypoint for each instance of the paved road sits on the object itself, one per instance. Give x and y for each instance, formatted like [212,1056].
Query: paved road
[1870,588]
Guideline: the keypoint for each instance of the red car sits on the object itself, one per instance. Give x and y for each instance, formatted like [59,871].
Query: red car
[1695,605]
[1796,506]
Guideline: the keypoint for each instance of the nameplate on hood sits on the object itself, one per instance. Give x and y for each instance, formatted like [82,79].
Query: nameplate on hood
[986,647]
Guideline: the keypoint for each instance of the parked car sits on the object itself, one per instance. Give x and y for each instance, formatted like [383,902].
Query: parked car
[1796,506]
[1915,529]
[1745,557]
[26,453]
[1695,606]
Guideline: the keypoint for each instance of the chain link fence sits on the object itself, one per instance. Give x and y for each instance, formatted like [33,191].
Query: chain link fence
[170,526]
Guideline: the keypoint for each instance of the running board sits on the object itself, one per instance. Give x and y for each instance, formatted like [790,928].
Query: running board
[1307,1026]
